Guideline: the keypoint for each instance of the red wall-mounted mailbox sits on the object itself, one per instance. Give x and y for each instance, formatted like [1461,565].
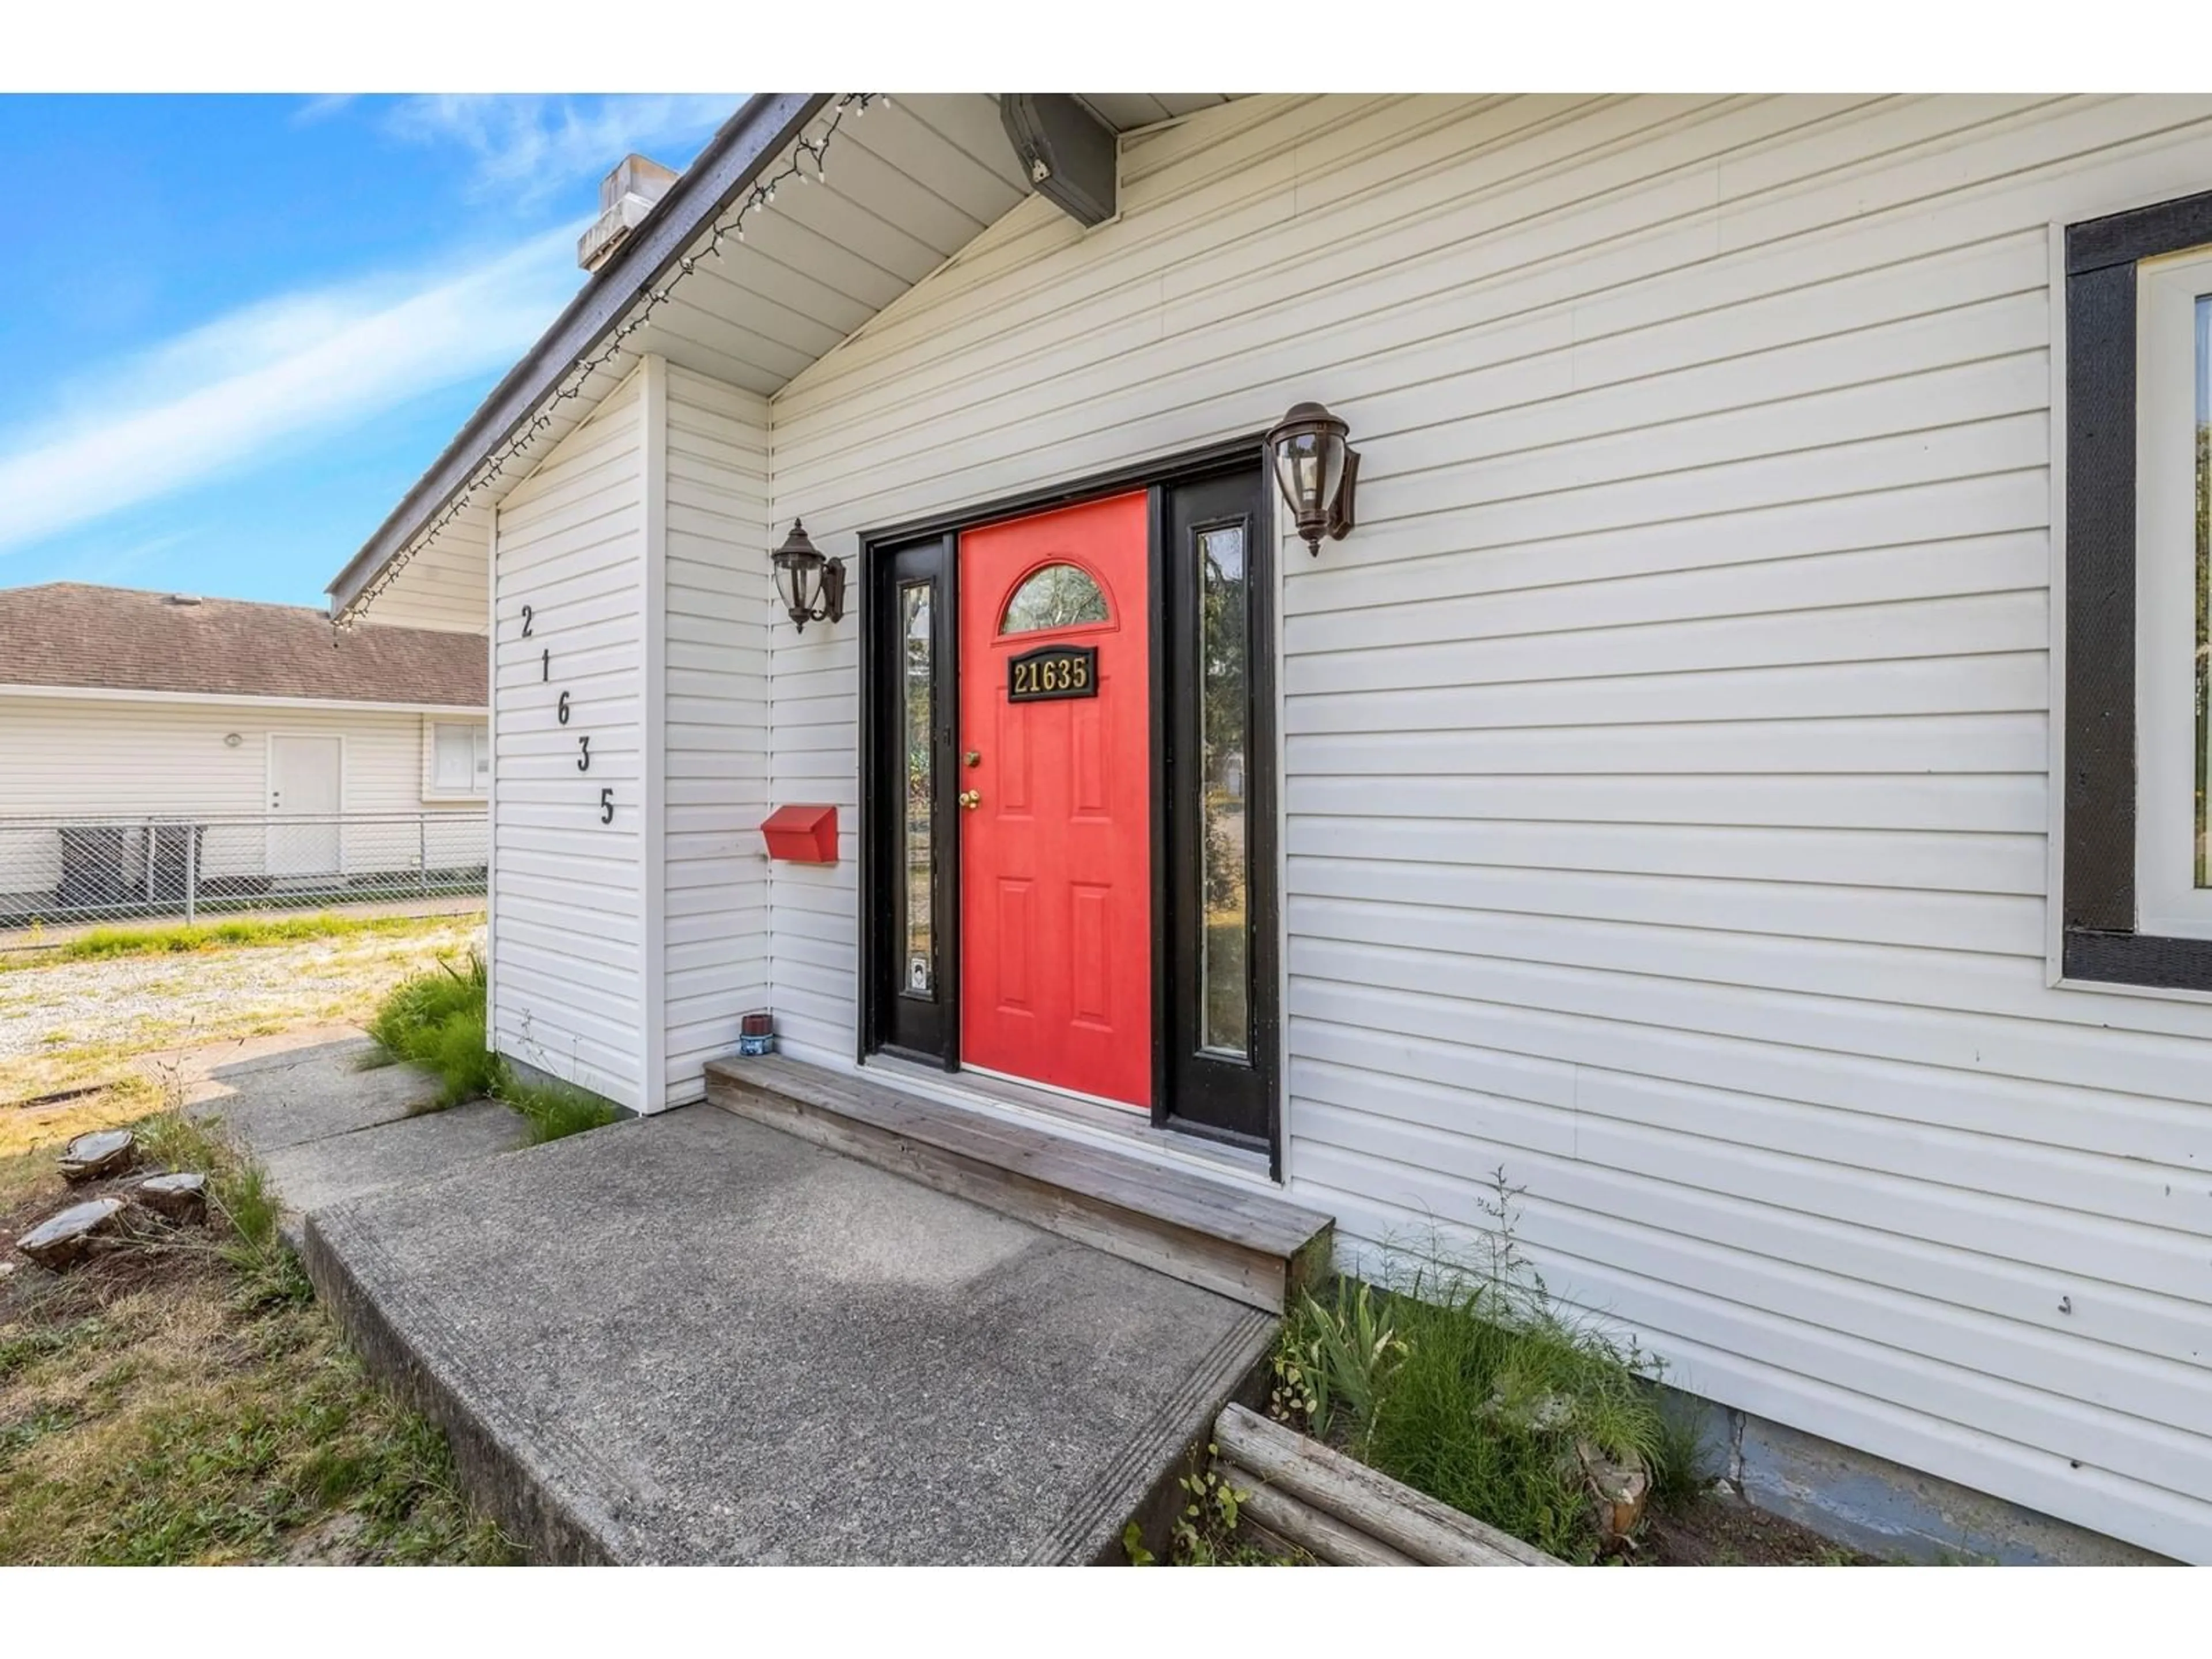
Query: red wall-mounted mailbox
[804,835]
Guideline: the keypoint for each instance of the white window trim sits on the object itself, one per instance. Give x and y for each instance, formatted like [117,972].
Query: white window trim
[2054,912]
[480,743]
[2168,902]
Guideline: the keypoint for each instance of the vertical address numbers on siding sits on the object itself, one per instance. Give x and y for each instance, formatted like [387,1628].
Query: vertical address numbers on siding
[562,709]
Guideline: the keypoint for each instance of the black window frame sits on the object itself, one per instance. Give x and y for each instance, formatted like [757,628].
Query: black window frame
[1196,1089]
[924,1029]
[2098,939]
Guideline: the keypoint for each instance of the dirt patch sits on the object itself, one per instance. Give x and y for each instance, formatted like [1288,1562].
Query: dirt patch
[1714,1531]
[53,1122]
[101,1024]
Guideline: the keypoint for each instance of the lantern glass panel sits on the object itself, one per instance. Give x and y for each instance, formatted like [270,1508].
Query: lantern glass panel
[1310,467]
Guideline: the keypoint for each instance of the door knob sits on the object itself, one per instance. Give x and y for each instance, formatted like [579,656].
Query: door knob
[971,798]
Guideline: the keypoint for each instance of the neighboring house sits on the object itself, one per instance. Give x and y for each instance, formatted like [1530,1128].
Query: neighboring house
[304,757]
[1737,775]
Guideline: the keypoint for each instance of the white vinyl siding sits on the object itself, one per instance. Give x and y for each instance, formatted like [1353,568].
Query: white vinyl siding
[1666,754]
[443,585]
[568,995]
[81,757]
[719,600]
[628,951]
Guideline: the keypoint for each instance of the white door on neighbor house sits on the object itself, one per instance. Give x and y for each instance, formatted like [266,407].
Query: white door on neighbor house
[303,804]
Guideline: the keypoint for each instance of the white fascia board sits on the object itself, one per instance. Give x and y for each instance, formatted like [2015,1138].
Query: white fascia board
[233,700]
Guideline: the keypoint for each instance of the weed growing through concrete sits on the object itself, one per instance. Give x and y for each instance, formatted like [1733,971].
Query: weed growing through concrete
[436,1020]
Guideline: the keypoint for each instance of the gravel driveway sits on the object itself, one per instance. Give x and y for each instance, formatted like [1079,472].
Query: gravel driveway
[81,1022]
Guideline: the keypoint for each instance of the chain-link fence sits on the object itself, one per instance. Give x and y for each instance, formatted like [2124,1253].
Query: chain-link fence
[64,870]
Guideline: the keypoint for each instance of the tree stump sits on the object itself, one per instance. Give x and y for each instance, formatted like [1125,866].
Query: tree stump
[61,1240]
[103,1152]
[181,1197]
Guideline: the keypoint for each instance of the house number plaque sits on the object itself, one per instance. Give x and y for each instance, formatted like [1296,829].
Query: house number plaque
[604,807]
[1053,671]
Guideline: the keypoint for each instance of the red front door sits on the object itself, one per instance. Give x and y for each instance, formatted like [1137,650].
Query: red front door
[1056,841]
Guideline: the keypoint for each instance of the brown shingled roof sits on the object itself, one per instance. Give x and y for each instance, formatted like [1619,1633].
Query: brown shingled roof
[70,633]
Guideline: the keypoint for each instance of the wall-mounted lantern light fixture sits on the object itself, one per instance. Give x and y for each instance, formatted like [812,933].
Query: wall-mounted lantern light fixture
[812,587]
[1317,469]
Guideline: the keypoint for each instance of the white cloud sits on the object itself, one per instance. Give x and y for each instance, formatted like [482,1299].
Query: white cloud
[321,107]
[111,565]
[527,146]
[270,377]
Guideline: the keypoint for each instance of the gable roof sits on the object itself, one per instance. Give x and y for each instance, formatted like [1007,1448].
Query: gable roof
[75,635]
[915,183]
[732,159]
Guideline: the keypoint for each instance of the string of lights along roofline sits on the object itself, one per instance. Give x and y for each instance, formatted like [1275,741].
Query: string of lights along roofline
[760,198]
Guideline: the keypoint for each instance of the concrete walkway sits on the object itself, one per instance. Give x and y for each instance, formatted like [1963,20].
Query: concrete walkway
[694,1338]
[326,1128]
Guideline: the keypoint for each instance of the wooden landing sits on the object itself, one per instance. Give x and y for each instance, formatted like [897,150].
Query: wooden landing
[1207,1232]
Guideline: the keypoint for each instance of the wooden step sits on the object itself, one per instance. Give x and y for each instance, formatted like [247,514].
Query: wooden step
[1209,1232]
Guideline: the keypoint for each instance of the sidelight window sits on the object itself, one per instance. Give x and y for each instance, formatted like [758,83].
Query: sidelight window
[917,840]
[1223,742]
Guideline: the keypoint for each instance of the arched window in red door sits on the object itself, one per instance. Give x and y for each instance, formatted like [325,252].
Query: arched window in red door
[1054,596]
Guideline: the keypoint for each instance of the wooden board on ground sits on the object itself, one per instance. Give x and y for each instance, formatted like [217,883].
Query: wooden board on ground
[1368,1501]
[1320,1535]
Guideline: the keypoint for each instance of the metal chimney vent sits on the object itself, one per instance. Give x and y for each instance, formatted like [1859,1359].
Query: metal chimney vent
[626,196]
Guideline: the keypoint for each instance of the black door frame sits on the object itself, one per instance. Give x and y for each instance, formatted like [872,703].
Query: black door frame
[895,1020]
[882,551]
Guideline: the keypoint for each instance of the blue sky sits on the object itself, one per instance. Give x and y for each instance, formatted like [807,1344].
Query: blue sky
[239,328]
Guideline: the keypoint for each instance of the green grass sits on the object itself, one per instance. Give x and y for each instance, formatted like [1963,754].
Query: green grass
[1468,1382]
[187,1401]
[1487,1406]
[242,1201]
[102,942]
[1682,1468]
[436,1020]
[555,1110]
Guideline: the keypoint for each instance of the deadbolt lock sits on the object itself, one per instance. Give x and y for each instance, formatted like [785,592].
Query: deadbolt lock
[971,798]
[973,758]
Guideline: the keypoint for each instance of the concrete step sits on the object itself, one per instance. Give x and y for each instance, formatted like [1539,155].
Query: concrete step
[1212,1233]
